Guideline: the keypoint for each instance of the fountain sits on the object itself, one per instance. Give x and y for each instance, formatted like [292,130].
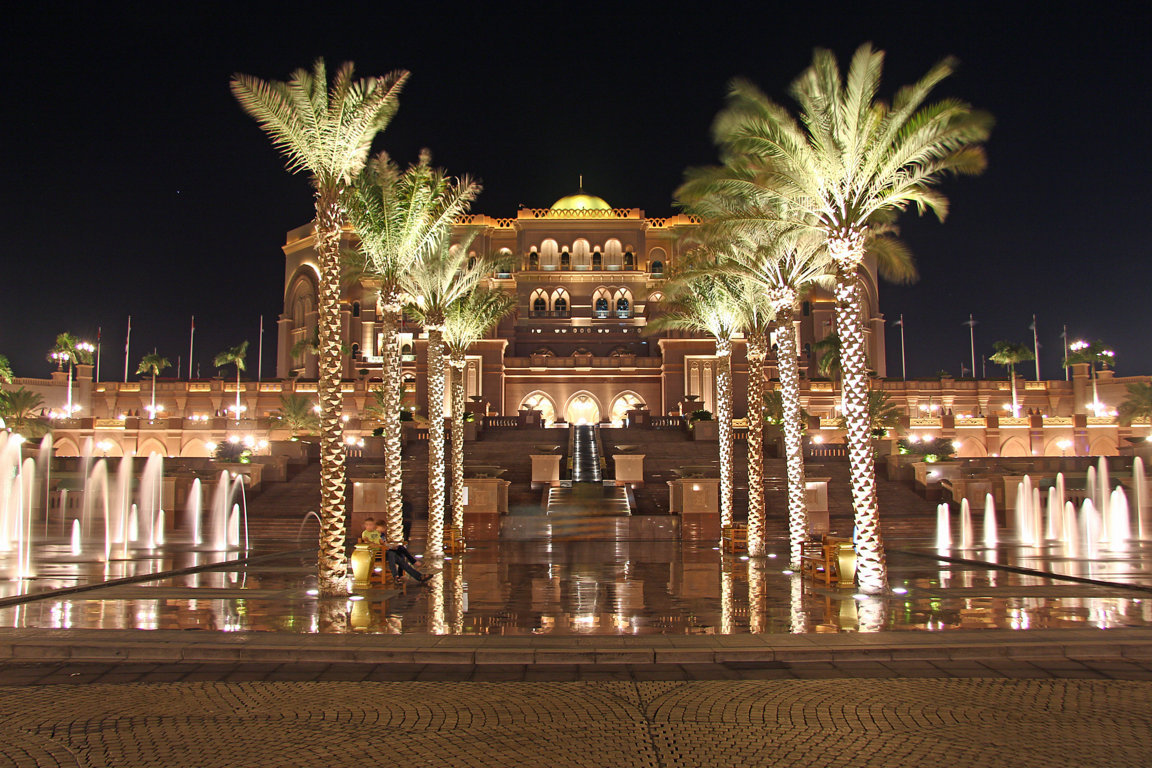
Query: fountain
[110,510]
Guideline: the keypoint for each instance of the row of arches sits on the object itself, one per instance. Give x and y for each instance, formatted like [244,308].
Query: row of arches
[582,255]
[606,302]
[583,407]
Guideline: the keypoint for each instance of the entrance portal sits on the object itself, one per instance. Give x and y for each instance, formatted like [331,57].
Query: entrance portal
[582,409]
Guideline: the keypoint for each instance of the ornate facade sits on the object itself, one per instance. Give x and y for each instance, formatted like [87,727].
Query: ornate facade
[587,279]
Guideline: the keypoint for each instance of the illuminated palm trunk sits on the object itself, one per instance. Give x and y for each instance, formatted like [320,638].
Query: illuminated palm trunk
[727,598]
[1015,402]
[435,543]
[757,597]
[332,566]
[724,427]
[871,569]
[393,430]
[757,351]
[793,430]
[458,362]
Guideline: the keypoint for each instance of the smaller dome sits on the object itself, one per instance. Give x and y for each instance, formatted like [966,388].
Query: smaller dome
[581,202]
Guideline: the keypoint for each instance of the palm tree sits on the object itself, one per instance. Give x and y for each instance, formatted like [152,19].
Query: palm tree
[704,301]
[1008,354]
[435,282]
[154,364]
[296,414]
[785,270]
[6,375]
[827,351]
[325,130]
[845,169]
[400,217]
[233,356]
[17,407]
[467,321]
[1137,405]
[883,414]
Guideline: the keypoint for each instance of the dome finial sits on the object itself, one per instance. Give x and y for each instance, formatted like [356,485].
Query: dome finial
[581,183]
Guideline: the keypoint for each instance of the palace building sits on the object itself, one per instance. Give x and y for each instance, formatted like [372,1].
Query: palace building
[577,349]
[587,279]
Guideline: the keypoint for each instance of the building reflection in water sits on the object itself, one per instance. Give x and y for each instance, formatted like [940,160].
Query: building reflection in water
[615,587]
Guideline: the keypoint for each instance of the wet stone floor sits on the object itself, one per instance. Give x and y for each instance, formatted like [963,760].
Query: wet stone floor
[590,587]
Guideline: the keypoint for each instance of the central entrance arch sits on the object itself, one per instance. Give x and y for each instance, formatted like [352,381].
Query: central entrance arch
[582,409]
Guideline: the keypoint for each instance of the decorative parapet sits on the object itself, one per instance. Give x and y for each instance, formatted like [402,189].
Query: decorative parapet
[270,386]
[305,386]
[925,422]
[1014,421]
[108,424]
[820,386]
[1058,421]
[130,386]
[199,386]
[1036,385]
[972,422]
[833,423]
[579,213]
[672,221]
[1101,421]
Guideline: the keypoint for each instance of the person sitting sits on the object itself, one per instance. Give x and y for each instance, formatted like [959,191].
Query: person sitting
[370,534]
[398,559]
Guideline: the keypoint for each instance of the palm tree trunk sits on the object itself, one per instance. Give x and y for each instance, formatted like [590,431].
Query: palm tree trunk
[153,393]
[871,569]
[332,566]
[793,433]
[1015,402]
[757,351]
[458,364]
[389,313]
[238,391]
[724,428]
[435,543]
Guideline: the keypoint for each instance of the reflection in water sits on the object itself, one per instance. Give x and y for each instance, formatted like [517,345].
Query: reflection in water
[599,587]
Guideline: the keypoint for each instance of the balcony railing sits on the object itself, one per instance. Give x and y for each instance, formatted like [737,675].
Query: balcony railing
[551,313]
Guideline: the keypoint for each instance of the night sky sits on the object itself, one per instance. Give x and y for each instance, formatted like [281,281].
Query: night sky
[136,185]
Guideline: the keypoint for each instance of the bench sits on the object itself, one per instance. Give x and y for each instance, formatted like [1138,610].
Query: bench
[734,538]
[820,559]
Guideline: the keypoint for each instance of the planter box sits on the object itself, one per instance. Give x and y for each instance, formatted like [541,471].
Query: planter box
[545,469]
[629,468]
[706,431]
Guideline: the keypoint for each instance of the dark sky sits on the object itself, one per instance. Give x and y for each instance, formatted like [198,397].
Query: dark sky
[135,185]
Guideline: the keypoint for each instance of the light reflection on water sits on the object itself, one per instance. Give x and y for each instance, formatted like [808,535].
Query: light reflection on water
[591,588]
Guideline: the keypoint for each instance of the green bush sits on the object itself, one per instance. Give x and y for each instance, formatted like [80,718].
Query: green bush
[700,415]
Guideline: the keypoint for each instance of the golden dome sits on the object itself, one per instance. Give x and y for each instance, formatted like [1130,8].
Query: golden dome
[581,202]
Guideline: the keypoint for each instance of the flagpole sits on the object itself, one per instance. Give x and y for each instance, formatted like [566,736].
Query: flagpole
[1064,336]
[98,353]
[972,340]
[191,342]
[127,345]
[1036,347]
[260,356]
[903,366]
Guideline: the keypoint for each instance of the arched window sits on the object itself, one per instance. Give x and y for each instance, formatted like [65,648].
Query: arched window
[581,254]
[612,253]
[656,258]
[355,309]
[533,260]
[597,259]
[565,260]
[538,401]
[355,351]
[657,267]
[560,302]
[602,306]
[549,254]
[623,303]
[629,260]
[539,303]
[625,402]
